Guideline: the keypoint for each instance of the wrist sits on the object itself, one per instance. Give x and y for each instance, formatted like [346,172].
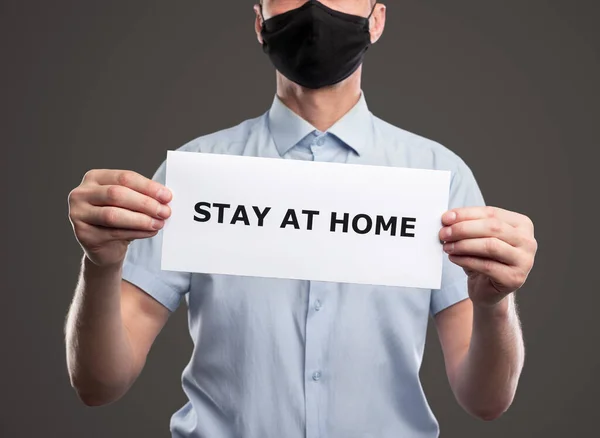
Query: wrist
[100,270]
[501,309]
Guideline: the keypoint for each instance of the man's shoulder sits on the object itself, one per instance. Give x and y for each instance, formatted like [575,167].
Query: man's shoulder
[228,140]
[416,148]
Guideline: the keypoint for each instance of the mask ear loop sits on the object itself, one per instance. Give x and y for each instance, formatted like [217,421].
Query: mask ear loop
[261,15]
[372,10]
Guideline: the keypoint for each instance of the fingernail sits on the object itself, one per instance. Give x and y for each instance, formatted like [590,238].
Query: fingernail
[449,247]
[157,224]
[163,211]
[163,195]
[451,216]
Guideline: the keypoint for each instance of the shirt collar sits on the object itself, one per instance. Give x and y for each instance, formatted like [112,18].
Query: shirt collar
[288,128]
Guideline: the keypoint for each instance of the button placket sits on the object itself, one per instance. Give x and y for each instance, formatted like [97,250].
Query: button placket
[316,327]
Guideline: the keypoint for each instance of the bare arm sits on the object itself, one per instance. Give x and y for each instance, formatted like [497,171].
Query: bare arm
[111,323]
[481,336]
[484,355]
[110,328]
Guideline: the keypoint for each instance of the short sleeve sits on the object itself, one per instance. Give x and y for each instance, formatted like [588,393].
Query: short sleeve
[464,192]
[142,266]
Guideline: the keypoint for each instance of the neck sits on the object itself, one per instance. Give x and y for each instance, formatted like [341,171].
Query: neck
[321,108]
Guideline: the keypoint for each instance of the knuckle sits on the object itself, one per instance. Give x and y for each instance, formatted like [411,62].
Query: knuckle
[124,178]
[529,223]
[488,266]
[519,278]
[534,245]
[73,196]
[491,245]
[89,175]
[495,225]
[148,204]
[73,215]
[110,216]
[114,193]
[526,219]
[491,211]
[530,243]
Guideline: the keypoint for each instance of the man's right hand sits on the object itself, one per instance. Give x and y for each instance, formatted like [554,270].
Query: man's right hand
[111,208]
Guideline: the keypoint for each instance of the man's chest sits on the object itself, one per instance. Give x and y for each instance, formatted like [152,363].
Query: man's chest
[295,314]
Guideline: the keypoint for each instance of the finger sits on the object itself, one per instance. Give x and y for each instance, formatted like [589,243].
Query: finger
[96,235]
[116,217]
[131,179]
[489,227]
[486,247]
[512,278]
[124,197]
[111,234]
[481,212]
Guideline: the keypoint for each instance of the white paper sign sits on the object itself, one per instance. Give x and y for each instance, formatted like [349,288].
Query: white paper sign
[270,217]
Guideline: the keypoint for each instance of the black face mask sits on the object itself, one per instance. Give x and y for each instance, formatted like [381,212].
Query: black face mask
[316,46]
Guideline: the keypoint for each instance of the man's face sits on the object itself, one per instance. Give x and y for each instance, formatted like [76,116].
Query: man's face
[354,7]
[361,8]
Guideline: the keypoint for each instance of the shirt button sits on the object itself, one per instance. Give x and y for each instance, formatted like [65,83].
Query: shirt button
[321,141]
[317,305]
[316,375]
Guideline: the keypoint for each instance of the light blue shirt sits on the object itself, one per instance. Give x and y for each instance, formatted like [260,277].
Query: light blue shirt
[276,358]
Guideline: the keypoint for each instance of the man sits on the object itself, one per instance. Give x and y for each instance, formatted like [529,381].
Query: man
[291,358]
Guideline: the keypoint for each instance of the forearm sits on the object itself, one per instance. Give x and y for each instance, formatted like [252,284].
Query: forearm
[487,378]
[99,355]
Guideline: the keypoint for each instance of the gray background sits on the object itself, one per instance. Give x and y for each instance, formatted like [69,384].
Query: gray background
[511,86]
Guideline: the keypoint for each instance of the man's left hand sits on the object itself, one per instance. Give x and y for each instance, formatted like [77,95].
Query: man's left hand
[495,247]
